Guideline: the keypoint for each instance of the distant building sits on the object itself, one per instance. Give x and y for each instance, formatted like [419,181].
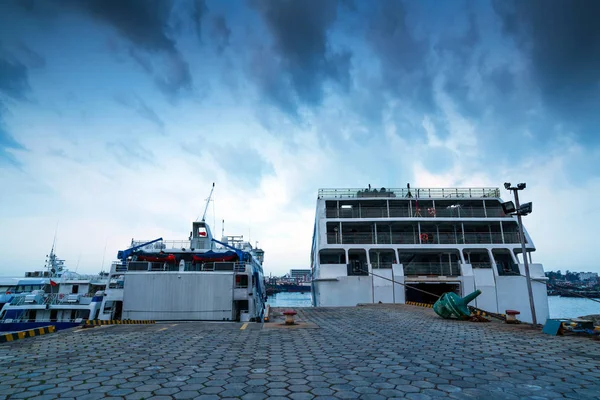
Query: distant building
[301,274]
[586,276]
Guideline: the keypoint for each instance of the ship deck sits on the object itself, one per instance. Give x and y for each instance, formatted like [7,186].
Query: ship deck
[373,351]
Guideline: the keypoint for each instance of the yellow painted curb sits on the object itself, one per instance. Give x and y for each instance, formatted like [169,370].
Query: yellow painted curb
[10,337]
[94,322]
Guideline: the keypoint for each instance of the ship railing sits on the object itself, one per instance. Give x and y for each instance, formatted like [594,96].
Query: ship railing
[382,265]
[432,269]
[17,301]
[162,245]
[437,193]
[239,267]
[425,238]
[421,212]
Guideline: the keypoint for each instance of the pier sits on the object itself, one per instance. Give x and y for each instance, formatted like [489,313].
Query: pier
[364,352]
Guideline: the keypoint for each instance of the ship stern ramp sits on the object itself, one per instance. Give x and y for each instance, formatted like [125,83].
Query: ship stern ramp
[179,296]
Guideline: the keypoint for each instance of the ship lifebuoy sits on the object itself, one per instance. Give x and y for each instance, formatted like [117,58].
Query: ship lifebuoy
[61,295]
[424,237]
[431,211]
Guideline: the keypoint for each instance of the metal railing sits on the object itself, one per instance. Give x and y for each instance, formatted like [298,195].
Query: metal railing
[382,265]
[437,193]
[162,245]
[421,212]
[432,269]
[55,299]
[481,264]
[427,238]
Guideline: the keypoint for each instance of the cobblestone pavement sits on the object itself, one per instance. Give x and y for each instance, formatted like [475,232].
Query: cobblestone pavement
[370,352]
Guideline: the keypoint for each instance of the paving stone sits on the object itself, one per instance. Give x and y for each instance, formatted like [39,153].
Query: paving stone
[410,353]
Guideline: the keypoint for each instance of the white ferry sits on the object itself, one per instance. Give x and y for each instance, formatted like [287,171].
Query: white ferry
[380,245]
[200,278]
[54,296]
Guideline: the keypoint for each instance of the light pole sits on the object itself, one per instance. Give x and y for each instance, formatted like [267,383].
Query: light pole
[519,211]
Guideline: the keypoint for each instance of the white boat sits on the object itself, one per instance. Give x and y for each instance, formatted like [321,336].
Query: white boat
[199,278]
[372,246]
[54,296]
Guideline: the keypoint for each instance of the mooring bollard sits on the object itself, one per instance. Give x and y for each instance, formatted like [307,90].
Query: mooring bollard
[289,317]
[511,316]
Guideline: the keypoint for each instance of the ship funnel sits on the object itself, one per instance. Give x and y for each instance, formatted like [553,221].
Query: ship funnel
[450,304]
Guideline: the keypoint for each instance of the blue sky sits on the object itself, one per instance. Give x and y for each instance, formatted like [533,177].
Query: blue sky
[116,117]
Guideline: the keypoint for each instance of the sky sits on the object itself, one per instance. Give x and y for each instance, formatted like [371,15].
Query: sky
[117,116]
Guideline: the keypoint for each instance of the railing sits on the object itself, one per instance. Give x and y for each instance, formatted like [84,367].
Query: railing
[421,212]
[55,299]
[508,269]
[432,269]
[441,193]
[427,238]
[382,265]
[162,245]
[481,264]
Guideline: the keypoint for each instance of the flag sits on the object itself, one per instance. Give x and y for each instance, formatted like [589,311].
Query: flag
[52,283]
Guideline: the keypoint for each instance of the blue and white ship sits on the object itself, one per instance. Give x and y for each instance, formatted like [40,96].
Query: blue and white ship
[54,296]
[200,278]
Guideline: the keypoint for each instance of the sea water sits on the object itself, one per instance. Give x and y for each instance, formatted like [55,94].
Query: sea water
[560,307]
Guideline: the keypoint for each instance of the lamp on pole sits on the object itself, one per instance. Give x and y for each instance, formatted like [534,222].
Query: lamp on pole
[519,210]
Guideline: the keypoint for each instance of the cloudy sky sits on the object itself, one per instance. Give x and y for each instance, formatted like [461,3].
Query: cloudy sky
[117,116]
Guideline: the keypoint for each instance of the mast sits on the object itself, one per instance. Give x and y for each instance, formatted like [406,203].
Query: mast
[208,202]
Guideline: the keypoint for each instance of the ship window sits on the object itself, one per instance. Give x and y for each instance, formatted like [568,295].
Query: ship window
[75,289]
[505,263]
[241,281]
[382,258]
[108,307]
[329,256]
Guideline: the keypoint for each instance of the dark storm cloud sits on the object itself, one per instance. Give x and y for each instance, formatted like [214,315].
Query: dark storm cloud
[198,11]
[14,85]
[403,58]
[562,41]
[13,78]
[220,33]
[143,23]
[302,58]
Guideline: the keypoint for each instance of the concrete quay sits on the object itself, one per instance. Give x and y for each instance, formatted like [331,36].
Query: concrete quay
[366,352]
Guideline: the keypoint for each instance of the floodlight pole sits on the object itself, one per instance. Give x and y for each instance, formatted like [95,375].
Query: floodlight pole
[524,252]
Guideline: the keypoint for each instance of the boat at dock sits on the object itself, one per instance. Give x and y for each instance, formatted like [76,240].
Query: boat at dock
[53,296]
[413,245]
[200,278]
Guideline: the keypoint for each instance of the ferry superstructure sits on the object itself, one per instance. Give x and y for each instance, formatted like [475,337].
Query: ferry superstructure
[380,245]
[200,278]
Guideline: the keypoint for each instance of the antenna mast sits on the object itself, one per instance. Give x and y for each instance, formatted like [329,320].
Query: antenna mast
[208,202]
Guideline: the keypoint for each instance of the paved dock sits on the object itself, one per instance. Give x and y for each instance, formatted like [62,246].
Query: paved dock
[368,352]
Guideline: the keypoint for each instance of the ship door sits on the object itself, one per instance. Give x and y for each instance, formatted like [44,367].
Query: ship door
[118,310]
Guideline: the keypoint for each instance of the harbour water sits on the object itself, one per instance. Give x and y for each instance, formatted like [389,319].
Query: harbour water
[560,307]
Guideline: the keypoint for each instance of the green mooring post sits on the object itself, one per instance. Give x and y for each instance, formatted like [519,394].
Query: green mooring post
[451,304]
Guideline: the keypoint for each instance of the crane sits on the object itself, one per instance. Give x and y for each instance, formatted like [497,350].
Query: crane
[208,201]
[123,254]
